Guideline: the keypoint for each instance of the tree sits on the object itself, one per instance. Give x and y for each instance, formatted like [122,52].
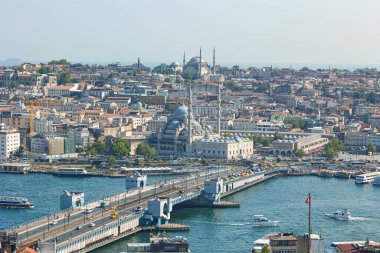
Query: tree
[56,62]
[96,148]
[300,153]
[63,78]
[333,148]
[120,147]
[44,70]
[111,161]
[371,148]
[265,249]
[145,150]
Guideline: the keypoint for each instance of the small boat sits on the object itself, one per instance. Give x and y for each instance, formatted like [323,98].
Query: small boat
[15,202]
[260,221]
[340,215]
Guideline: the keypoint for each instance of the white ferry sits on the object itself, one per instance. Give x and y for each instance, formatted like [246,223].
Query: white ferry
[70,172]
[366,178]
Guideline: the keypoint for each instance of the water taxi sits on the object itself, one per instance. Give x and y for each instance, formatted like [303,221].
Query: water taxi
[259,220]
[340,215]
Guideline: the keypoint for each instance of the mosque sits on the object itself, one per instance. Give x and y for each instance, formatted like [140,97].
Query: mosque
[182,135]
[197,66]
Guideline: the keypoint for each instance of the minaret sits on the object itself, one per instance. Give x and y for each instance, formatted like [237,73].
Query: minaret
[189,114]
[184,61]
[213,62]
[200,63]
[138,63]
[218,113]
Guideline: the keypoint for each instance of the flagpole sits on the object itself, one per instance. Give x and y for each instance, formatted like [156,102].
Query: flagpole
[309,230]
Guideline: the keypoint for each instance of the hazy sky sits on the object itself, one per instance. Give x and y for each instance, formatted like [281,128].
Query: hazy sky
[243,31]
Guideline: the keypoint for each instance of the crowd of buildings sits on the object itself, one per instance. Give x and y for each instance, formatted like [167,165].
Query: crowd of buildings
[191,109]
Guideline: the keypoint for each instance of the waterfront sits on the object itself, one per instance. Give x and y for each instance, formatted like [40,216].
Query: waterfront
[222,230]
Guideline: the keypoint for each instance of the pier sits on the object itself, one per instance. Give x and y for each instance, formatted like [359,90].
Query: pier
[126,213]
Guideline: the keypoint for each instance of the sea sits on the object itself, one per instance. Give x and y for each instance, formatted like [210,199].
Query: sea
[222,230]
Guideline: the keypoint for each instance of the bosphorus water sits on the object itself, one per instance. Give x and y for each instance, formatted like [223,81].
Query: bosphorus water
[224,230]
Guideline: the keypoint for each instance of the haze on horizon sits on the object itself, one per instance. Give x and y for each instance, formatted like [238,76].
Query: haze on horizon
[340,32]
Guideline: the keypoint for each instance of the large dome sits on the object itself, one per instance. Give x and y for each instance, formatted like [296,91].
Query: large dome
[181,111]
[195,60]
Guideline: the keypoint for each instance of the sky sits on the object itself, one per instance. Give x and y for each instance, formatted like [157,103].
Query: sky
[278,32]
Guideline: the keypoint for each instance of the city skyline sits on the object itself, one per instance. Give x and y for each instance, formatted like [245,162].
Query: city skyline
[255,32]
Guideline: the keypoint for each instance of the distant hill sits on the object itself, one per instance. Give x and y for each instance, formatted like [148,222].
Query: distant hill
[11,62]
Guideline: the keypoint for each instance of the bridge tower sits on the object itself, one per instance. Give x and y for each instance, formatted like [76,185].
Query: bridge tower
[158,212]
[213,190]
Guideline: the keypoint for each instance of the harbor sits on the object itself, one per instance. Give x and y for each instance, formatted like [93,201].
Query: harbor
[231,219]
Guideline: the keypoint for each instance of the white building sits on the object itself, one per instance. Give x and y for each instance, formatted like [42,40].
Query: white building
[61,90]
[223,147]
[9,142]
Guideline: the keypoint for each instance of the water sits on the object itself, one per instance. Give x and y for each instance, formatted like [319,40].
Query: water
[44,192]
[229,230]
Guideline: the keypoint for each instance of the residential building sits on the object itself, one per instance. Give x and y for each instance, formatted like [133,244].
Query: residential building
[9,142]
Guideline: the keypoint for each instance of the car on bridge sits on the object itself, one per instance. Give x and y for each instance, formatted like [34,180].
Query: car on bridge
[114,215]
[104,204]
[137,209]
[54,222]
[92,225]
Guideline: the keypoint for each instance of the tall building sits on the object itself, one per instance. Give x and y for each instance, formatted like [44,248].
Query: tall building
[9,142]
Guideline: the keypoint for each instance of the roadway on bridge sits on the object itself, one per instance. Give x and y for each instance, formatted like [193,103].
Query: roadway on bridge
[99,216]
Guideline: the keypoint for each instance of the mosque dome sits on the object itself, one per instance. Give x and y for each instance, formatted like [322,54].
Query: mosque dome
[195,61]
[181,111]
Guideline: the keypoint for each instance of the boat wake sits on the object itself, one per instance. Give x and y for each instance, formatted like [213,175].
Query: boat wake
[359,219]
[223,224]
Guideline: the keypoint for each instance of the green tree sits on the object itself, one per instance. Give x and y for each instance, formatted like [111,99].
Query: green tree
[371,148]
[96,148]
[145,150]
[300,153]
[111,161]
[63,78]
[120,147]
[44,70]
[333,148]
[61,61]
[265,249]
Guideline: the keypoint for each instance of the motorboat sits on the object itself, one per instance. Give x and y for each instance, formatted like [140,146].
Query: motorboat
[15,202]
[259,220]
[340,215]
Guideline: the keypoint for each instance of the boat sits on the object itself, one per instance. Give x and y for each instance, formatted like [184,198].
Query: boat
[340,215]
[366,178]
[71,172]
[259,220]
[376,181]
[161,244]
[343,174]
[15,202]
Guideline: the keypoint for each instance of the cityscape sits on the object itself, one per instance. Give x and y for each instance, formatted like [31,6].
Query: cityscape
[190,149]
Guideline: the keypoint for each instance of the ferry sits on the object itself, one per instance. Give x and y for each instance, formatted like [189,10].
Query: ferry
[366,178]
[15,202]
[70,172]
[260,221]
[376,181]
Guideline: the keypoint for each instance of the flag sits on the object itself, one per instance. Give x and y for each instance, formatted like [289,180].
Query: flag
[307,201]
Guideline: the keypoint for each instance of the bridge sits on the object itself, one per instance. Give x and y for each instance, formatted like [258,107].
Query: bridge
[94,225]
